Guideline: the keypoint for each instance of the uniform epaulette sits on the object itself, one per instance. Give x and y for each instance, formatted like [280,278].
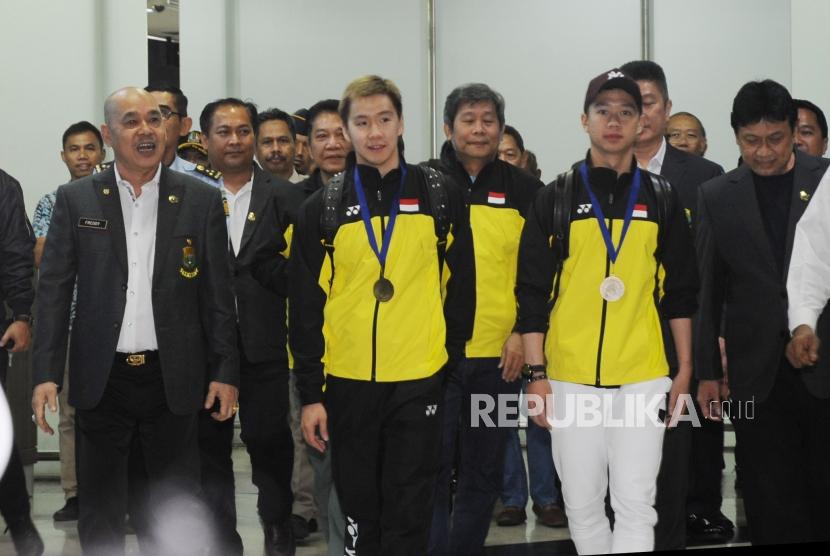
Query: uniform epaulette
[209,172]
[102,167]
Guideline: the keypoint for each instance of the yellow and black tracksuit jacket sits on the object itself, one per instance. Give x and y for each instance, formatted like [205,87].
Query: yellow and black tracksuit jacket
[338,328]
[498,200]
[589,340]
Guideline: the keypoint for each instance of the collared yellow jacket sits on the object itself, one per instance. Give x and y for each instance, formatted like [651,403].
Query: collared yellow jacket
[337,327]
[590,340]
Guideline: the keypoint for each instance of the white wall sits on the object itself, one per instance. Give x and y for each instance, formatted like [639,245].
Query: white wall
[59,61]
[709,48]
[291,53]
[810,52]
[540,55]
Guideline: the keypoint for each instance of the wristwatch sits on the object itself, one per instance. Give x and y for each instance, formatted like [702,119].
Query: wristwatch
[23,318]
[532,373]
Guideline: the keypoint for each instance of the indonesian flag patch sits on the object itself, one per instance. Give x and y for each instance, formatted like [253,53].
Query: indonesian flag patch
[640,211]
[495,198]
[409,205]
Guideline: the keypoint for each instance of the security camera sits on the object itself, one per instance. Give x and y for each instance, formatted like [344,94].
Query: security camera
[159,7]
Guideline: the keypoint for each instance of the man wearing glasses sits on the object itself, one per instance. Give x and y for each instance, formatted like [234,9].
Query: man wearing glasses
[173,107]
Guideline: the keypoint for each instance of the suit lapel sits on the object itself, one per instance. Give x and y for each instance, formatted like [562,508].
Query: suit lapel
[110,200]
[745,203]
[171,194]
[806,178]
[259,197]
[674,167]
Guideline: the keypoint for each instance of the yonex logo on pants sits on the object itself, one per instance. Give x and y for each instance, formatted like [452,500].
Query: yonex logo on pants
[431,410]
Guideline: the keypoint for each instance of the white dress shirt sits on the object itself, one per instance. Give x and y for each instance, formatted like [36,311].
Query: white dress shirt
[655,165]
[138,329]
[808,280]
[296,178]
[238,204]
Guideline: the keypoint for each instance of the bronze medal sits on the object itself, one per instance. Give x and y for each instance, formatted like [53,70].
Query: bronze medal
[383,290]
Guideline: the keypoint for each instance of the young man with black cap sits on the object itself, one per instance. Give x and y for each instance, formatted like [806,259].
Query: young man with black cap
[381,300]
[605,251]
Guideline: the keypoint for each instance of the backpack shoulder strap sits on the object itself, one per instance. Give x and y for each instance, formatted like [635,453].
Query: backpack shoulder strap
[329,219]
[563,193]
[662,193]
[439,203]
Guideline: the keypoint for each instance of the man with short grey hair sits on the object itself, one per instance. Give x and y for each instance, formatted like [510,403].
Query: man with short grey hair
[498,196]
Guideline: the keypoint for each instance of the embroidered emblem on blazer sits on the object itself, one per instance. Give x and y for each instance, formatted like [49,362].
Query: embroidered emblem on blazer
[189,268]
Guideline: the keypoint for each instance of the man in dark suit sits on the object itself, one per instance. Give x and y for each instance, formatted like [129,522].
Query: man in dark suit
[259,209]
[745,228]
[685,173]
[16,263]
[153,329]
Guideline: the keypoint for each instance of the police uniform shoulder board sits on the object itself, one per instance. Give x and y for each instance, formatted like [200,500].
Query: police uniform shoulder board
[563,188]
[209,172]
[437,192]
[103,167]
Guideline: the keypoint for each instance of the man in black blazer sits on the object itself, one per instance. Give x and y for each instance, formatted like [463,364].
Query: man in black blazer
[746,223]
[685,173]
[16,293]
[259,209]
[153,326]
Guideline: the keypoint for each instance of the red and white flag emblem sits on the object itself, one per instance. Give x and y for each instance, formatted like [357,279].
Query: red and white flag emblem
[640,211]
[409,205]
[495,198]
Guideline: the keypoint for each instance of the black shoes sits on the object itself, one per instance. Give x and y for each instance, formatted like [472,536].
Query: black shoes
[69,512]
[279,539]
[26,539]
[713,529]
[299,527]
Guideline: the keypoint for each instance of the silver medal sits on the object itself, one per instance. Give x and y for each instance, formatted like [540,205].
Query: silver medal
[612,289]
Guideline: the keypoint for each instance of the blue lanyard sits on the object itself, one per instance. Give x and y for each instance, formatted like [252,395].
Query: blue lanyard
[595,206]
[367,217]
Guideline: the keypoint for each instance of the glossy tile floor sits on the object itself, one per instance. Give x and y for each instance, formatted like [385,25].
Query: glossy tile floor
[524,540]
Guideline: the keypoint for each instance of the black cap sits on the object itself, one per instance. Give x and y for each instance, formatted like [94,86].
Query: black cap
[301,121]
[613,79]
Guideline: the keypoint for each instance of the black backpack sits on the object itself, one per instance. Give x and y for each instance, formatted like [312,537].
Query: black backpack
[439,205]
[563,192]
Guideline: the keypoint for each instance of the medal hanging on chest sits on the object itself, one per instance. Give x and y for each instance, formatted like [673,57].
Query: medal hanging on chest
[612,288]
[382,289]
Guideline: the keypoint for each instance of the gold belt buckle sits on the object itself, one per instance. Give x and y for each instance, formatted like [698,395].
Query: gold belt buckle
[135,359]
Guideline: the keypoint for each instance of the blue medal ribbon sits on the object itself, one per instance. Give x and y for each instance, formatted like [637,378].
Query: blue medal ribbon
[597,209]
[367,218]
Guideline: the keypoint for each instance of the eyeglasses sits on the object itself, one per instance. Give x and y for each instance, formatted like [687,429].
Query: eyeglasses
[685,134]
[167,113]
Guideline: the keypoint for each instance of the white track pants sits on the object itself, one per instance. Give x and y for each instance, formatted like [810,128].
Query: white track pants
[601,435]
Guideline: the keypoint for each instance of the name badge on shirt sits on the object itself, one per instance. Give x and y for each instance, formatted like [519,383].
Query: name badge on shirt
[189,268]
[92,223]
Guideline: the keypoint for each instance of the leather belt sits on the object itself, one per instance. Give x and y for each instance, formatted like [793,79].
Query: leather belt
[138,359]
